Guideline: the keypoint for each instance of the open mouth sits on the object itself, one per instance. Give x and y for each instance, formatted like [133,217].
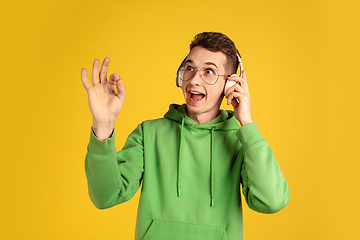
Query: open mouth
[196,96]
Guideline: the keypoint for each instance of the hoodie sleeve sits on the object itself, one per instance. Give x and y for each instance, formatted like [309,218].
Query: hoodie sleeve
[114,177]
[264,186]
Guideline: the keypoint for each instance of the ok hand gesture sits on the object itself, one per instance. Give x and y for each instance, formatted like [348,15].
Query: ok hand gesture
[106,98]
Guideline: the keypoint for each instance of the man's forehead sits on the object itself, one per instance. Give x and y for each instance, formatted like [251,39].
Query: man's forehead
[189,61]
[200,55]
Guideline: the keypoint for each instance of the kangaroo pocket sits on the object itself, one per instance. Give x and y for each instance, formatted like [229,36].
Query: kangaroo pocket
[160,230]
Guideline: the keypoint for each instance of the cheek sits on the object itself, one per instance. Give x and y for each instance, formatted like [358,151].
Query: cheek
[215,94]
[219,89]
[183,84]
[183,87]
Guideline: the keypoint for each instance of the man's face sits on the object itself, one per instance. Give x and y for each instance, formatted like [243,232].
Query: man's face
[208,102]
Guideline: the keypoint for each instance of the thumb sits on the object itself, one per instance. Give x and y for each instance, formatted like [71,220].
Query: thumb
[234,103]
[120,89]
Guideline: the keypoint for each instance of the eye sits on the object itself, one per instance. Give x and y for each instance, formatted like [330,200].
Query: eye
[209,71]
[189,69]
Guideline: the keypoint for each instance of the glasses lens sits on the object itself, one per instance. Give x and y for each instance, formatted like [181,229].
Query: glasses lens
[209,75]
[187,72]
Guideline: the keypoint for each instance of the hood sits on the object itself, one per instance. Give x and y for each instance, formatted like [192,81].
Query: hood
[225,121]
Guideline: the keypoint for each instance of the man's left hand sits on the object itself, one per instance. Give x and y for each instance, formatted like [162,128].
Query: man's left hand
[239,96]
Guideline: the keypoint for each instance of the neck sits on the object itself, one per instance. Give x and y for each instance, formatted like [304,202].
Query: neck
[203,117]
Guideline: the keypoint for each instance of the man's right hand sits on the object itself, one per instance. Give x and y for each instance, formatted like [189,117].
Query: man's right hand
[106,98]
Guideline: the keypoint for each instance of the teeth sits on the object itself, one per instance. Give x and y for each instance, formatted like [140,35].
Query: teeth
[195,92]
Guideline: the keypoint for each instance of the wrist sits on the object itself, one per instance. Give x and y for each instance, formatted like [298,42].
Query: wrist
[244,122]
[103,129]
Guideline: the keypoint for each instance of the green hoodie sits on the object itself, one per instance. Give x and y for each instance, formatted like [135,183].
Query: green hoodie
[190,174]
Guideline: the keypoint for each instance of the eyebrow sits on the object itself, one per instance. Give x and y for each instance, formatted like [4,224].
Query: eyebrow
[207,63]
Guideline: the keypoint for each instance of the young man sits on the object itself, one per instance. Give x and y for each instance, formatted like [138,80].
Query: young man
[191,162]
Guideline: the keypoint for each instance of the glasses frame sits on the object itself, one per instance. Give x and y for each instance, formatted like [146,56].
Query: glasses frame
[201,76]
[181,68]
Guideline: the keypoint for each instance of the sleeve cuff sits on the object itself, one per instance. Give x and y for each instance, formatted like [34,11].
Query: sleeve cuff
[102,148]
[249,134]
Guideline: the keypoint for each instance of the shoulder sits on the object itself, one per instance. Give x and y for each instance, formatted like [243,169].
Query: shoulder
[157,121]
[156,124]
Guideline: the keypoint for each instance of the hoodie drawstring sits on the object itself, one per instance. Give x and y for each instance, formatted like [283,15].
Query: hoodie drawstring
[212,176]
[212,187]
[179,160]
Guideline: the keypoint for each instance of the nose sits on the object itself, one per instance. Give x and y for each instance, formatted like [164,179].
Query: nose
[196,79]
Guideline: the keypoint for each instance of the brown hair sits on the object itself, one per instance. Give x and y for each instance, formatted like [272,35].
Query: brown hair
[218,42]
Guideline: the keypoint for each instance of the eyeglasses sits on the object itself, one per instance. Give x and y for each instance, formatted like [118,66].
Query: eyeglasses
[180,72]
[208,74]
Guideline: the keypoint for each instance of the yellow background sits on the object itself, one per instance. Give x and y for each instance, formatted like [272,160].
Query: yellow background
[302,62]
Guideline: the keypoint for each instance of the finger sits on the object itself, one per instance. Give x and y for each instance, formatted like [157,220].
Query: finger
[235,88]
[231,97]
[236,79]
[104,69]
[245,85]
[112,82]
[84,79]
[244,75]
[236,95]
[114,78]
[120,90]
[95,72]
[234,103]
[242,83]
